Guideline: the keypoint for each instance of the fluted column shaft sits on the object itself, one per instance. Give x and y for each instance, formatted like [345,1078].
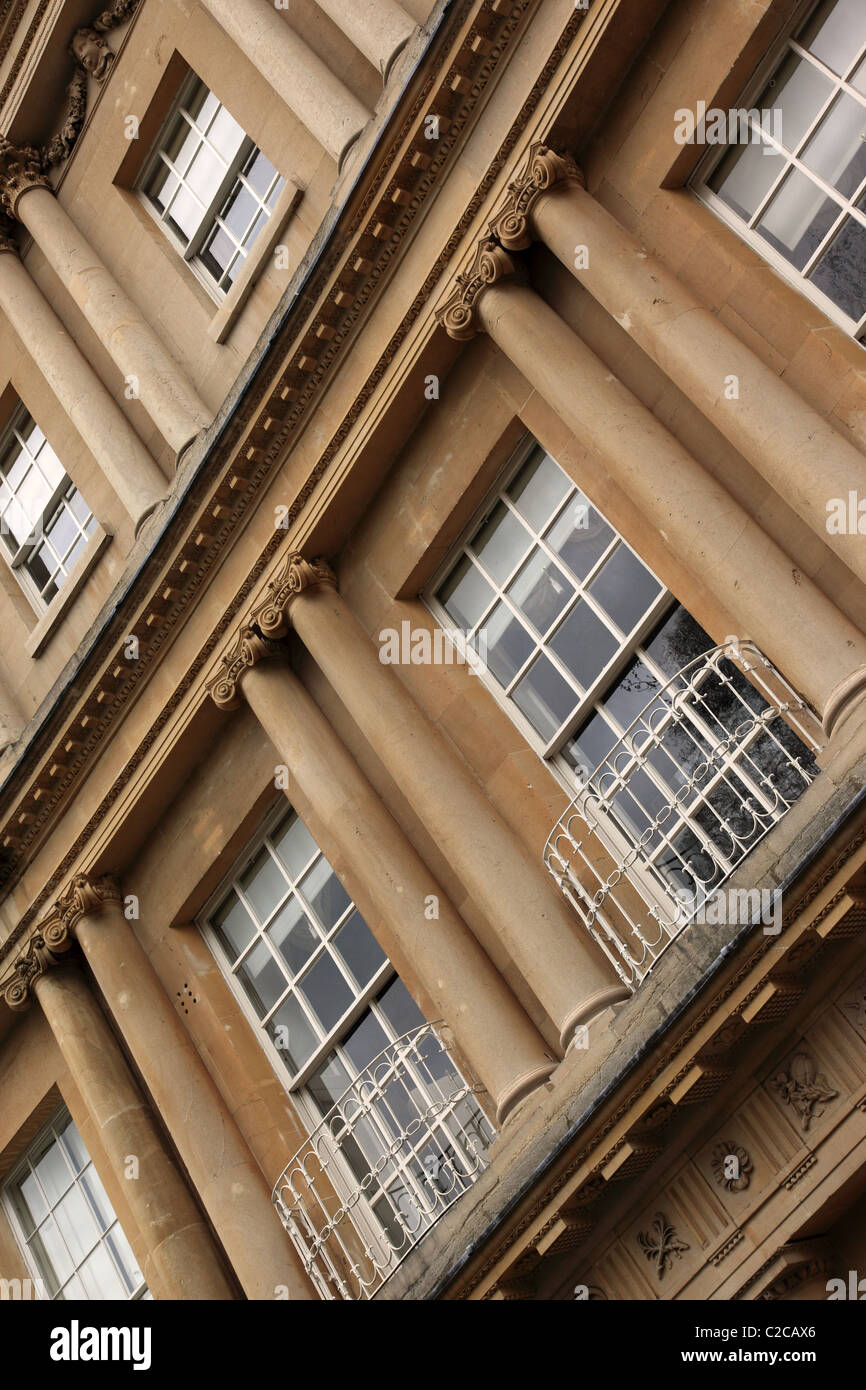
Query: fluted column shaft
[379,29]
[519,902]
[163,388]
[181,1260]
[391,887]
[229,1183]
[319,99]
[820,651]
[96,416]
[791,444]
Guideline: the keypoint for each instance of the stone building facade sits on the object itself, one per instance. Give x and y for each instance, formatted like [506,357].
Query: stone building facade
[432,833]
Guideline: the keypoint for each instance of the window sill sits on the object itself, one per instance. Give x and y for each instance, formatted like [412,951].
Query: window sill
[60,604]
[226,316]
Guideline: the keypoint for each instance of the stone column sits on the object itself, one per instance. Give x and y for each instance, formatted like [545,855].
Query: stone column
[790,443]
[163,389]
[379,29]
[319,99]
[229,1182]
[820,651]
[98,419]
[180,1258]
[385,876]
[525,914]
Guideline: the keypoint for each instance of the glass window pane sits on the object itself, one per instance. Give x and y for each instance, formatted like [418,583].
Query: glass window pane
[509,645]
[239,211]
[76,1223]
[837,151]
[99,1276]
[540,591]
[797,91]
[501,543]
[835,33]
[186,214]
[745,177]
[677,641]
[29,1203]
[97,1197]
[260,172]
[124,1258]
[366,1040]
[325,893]
[226,134]
[625,588]
[262,978]
[798,218]
[841,271]
[233,926]
[294,844]
[53,1172]
[328,1082]
[294,935]
[591,745]
[400,1008]
[264,885]
[539,489]
[584,644]
[218,254]
[205,174]
[465,594]
[359,948]
[292,1034]
[62,531]
[50,1252]
[580,536]
[326,990]
[544,697]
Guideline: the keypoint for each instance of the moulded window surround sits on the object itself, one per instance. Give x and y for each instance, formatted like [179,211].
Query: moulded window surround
[45,523]
[64,1224]
[798,195]
[210,188]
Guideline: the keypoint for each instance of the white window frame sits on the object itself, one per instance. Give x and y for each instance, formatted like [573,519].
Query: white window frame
[61,496]
[189,251]
[53,1127]
[296,1083]
[367,1000]
[548,750]
[699,182]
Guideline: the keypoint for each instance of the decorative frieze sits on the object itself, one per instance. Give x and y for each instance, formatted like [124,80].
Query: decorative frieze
[661,1244]
[804,1088]
[731,1165]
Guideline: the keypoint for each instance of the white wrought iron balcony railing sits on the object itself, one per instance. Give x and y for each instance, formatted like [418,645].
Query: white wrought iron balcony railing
[399,1147]
[709,766]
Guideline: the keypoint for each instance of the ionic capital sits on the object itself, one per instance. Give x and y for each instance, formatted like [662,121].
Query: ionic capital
[247,649]
[20,170]
[53,936]
[296,575]
[488,264]
[543,171]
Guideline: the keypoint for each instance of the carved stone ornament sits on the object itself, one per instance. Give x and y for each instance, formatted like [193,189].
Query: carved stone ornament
[272,617]
[54,936]
[661,1244]
[59,147]
[802,1086]
[248,648]
[20,170]
[8,240]
[489,263]
[544,170]
[91,51]
[719,1162]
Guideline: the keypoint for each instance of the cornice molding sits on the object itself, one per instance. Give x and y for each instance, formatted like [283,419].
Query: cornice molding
[49,941]
[274,409]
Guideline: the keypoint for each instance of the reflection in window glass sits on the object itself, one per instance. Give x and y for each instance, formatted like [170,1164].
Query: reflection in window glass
[210,186]
[800,193]
[65,1223]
